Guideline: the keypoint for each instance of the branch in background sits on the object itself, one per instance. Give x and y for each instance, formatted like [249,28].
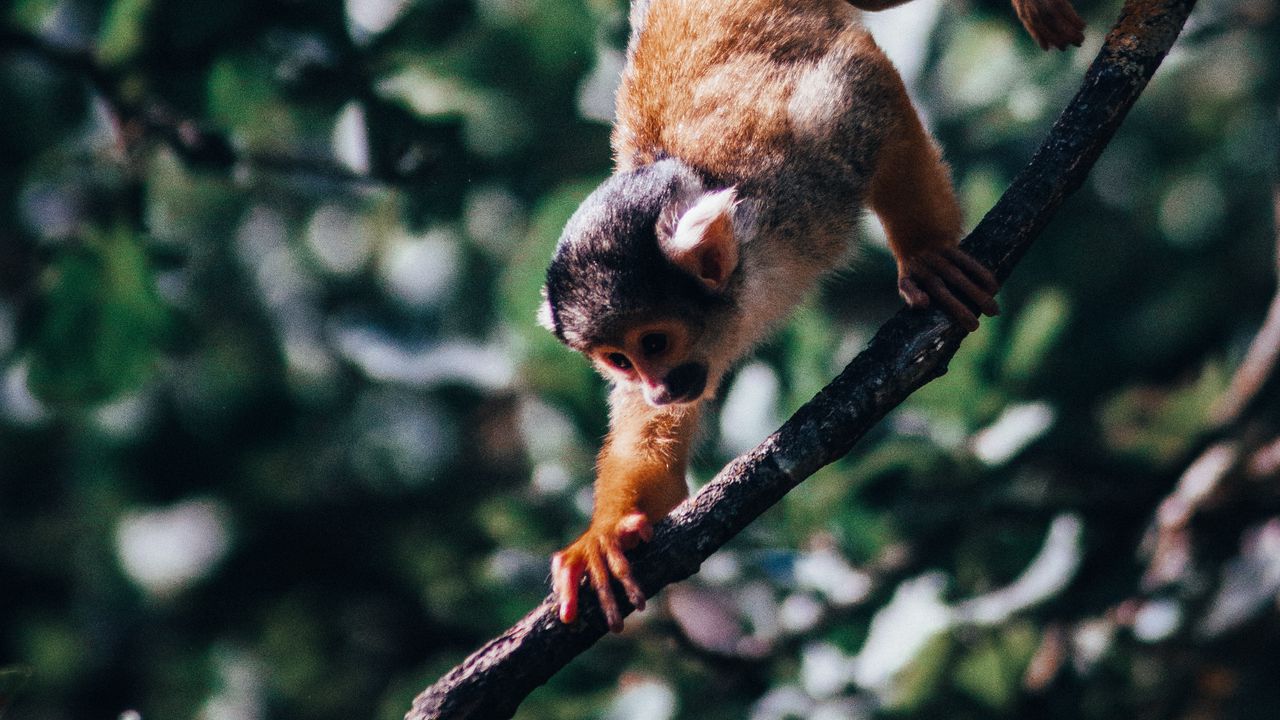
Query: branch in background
[150,119]
[908,351]
[1258,370]
[1237,453]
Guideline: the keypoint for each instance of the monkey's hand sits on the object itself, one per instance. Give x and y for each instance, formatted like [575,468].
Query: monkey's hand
[948,277]
[1052,23]
[598,554]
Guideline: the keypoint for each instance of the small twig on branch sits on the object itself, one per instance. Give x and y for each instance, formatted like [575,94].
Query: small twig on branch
[908,351]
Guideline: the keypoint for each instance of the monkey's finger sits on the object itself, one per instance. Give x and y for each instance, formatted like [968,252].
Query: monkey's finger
[604,591]
[1033,20]
[621,569]
[974,269]
[949,303]
[634,529]
[566,577]
[912,293]
[956,278]
[1067,23]
[1065,31]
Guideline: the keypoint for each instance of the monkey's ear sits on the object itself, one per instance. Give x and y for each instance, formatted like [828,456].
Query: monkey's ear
[544,312]
[703,243]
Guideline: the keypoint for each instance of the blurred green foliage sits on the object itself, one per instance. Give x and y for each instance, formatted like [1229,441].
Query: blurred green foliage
[279,437]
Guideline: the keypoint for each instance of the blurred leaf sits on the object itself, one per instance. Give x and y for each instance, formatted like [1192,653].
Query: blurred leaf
[559,37]
[991,672]
[242,96]
[186,207]
[102,321]
[31,14]
[1159,424]
[54,647]
[1038,328]
[919,682]
[981,188]
[123,28]
[809,342]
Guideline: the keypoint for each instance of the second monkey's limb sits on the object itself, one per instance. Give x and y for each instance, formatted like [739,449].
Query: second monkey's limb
[640,477]
[911,193]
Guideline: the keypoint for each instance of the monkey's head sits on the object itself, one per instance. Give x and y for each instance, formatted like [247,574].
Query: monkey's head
[645,281]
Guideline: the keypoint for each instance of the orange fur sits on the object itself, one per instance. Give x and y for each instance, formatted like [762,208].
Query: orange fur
[640,477]
[642,464]
[911,190]
[791,107]
[704,80]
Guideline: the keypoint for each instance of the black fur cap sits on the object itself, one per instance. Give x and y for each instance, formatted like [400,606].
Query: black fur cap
[608,268]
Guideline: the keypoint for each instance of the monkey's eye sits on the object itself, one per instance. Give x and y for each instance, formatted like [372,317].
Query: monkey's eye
[653,343]
[618,360]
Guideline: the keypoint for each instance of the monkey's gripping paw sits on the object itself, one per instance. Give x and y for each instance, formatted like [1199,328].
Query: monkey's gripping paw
[1052,23]
[948,278]
[598,555]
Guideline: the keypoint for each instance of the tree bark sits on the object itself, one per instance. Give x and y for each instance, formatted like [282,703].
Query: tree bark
[911,349]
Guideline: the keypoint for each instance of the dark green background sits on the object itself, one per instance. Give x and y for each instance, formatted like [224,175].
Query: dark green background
[327,378]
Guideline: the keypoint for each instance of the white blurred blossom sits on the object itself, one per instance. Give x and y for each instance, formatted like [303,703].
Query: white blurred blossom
[1157,620]
[1249,583]
[825,669]
[827,572]
[17,403]
[645,699]
[750,410]
[241,692]
[350,139]
[1017,427]
[369,18]
[338,240]
[167,549]
[385,358]
[420,271]
[899,631]
[1045,576]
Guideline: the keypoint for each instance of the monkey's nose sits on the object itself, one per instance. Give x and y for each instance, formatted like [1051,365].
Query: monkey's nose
[686,382]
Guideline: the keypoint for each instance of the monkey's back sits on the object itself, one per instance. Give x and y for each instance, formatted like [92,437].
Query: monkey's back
[753,91]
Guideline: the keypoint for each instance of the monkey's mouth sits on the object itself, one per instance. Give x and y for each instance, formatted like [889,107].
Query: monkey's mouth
[683,384]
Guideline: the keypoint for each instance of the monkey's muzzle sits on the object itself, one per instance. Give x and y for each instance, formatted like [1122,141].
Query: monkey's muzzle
[685,383]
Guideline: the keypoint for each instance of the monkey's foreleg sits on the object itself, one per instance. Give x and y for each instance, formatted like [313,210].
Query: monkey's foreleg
[911,193]
[640,477]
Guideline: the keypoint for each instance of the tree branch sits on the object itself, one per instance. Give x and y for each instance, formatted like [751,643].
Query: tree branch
[150,119]
[1258,372]
[908,351]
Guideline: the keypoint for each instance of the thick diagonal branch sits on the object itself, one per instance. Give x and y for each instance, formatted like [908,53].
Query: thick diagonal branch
[908,351]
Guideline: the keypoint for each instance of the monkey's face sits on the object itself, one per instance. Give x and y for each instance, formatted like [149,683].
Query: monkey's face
[644,282]
[660,358]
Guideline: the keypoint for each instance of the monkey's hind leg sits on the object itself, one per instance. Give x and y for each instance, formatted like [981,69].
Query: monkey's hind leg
[911,192]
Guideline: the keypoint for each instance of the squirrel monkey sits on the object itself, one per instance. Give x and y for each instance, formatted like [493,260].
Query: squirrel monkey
[749,134]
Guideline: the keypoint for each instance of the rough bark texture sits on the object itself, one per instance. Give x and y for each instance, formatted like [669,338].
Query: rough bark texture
[908,351]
